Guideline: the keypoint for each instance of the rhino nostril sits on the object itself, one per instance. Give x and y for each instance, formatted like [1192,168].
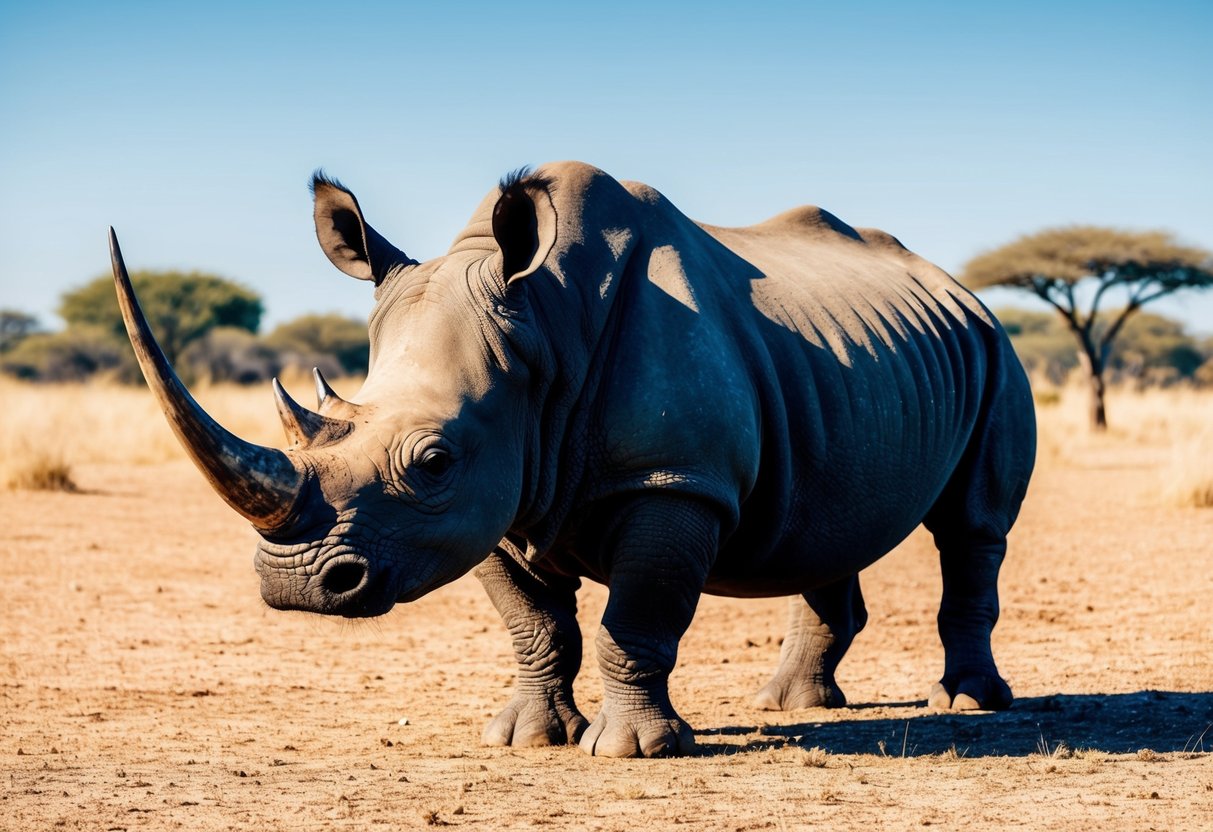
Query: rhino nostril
[342,577]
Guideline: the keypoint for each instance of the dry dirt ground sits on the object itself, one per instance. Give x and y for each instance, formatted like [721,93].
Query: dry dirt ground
[144,685]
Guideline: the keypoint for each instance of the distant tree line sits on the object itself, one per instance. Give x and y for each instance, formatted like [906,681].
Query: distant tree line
[206,325]
[1149,351]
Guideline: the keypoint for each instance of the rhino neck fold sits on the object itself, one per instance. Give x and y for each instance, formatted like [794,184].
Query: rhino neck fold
[571,367]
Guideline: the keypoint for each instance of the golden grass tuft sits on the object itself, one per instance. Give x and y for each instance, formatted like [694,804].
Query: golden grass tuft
[1058,751]
[27,466]
[815,757]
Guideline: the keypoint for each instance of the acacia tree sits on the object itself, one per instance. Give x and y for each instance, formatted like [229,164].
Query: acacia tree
[15,326]
[1052,264]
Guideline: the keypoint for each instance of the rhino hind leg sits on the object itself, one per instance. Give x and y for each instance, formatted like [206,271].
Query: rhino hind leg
[659,550]
[821,626]
[967,614]
[540,613]
[971,550]
[970,522]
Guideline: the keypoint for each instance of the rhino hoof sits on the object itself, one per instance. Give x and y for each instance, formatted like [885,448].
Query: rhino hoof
[619,737]
[977,692]
[530,722]
[783,695]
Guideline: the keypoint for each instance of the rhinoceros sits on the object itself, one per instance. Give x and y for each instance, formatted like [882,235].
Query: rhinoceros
[591,385]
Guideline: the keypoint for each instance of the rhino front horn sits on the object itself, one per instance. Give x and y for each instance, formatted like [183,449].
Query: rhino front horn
[260,483]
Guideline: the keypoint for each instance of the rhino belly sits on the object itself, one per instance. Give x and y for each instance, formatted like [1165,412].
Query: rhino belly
[828,533]
[851,465]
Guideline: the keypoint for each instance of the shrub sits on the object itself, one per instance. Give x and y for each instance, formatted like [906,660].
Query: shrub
[74,354]
[15,327]
[181,307]
[229,354]
[303,342]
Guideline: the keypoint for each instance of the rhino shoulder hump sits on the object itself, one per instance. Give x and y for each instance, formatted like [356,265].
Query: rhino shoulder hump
[642,192]
[809,220]
[882,239]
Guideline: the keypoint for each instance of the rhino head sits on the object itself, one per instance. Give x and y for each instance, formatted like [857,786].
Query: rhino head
[410,485]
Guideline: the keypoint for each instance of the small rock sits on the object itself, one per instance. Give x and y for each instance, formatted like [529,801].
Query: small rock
[404,720]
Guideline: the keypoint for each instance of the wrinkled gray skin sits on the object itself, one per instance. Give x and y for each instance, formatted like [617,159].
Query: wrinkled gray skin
[589,384]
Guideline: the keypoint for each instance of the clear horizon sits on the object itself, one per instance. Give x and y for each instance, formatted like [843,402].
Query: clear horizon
[194,131]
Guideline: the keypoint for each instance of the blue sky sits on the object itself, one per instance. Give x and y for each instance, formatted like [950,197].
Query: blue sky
[193,128]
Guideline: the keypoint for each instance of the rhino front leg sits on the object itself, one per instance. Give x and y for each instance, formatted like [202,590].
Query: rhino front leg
[658,555]
[540,612]
[821,626]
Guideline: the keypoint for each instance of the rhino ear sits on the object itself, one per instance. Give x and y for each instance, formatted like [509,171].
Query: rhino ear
[352,245]
[524,223]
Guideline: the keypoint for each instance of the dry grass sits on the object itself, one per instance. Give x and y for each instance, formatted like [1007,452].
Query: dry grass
[815,757]
[1052,751]
[47,429]
[1172,429]
[1187,476]
[1150,417]
[26,464]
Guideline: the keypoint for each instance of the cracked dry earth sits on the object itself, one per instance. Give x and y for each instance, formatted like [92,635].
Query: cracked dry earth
[144,685]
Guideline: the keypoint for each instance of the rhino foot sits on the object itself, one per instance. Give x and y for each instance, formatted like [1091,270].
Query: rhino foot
[970,692]
[528,721]
[649,730]
[790,694]
[615,737]
[821,626]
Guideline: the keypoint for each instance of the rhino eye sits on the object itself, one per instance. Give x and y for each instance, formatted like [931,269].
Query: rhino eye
[435,462]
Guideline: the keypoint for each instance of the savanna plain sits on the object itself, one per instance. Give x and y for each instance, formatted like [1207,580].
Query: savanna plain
[144,684]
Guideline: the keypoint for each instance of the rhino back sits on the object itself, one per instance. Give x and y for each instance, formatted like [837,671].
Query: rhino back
[817,383]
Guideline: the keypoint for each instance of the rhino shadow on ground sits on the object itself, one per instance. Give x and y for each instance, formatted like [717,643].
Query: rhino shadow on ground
[1121,723]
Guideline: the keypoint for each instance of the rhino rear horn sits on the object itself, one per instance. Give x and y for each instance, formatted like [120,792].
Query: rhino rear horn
[328,402]
[302,426]
[260,483]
